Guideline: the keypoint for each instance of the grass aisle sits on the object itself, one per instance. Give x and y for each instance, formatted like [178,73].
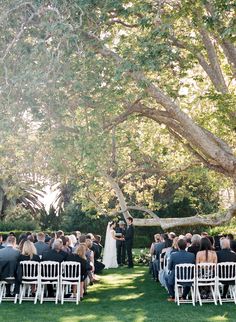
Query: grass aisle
[122,295]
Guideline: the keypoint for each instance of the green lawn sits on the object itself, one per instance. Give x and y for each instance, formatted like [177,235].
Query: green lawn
[122,295]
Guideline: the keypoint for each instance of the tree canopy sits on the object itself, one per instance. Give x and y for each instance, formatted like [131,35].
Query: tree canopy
[116,96]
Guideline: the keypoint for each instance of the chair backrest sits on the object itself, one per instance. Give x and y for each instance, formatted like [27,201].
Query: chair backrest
[226,271]
[50,270]
[184,273]
[206,272]
[30,270]
[70,271]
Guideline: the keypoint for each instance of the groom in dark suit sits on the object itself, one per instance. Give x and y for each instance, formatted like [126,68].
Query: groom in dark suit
[120,243]
[129,237]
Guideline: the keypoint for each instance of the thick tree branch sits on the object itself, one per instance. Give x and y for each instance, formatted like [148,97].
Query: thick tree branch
[208,220]
[167,223]
[121,22]
[219,81]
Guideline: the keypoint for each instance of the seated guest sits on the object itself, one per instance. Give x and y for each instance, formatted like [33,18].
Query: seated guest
[97,249]
[157,251]
[195,244]
[59,233]
[29,253]
[82,239]
[232,242]
[206,253]
[72,241]
[55,254]
[157,240]
[188,236]
[40,245]
[90,257]
[180,257]
[79,256]
[66,248]
[97,242]
[8,260]
[225,255]
[21,244]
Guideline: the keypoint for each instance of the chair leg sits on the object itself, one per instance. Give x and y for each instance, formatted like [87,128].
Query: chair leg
[193,295]
[57,292]
[36,295]
[62,293]
[16,298]
[1,293]
[213,291]
[177,294]
[199,296]
[21,293]
[42,294]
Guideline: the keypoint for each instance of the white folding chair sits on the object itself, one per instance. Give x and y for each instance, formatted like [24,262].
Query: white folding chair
[226,274]
[206,277]
[185,276]
[163,269]
[3,284]
[70,275]
[30,271]
[50,275]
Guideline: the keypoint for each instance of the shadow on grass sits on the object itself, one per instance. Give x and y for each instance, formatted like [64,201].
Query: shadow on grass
[122,295]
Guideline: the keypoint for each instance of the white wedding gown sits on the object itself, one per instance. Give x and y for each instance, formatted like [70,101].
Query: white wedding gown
[109,254]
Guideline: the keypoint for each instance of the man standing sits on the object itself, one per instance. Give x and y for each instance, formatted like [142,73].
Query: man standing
[120,244]
[129,237]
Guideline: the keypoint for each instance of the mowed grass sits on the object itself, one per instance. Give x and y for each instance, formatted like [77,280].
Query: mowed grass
[122,295]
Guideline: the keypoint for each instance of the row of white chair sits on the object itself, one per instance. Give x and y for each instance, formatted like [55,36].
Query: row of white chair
[213,276]
[58,275]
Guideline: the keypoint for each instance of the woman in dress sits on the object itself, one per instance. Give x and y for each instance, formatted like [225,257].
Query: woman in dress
[109,254]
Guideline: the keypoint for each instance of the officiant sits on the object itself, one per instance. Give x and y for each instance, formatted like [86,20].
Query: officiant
[120,244]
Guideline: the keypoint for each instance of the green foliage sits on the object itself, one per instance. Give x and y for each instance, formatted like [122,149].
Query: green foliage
[59,93]
[74,218]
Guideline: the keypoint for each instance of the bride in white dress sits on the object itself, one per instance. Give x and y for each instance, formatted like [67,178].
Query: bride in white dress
[109,254]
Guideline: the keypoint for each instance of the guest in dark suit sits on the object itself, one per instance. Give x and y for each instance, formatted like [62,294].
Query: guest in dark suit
[129,237]
[8,261]
[232,242]
[181,257]
[120,244]
[225,255]
[80,257]
[97,249]
[55,254]
[195,244]
[40,245]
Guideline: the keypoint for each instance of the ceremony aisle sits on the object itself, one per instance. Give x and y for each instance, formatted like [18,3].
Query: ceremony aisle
[122,295]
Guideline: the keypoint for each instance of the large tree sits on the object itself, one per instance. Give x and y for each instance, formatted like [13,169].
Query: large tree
[86,72]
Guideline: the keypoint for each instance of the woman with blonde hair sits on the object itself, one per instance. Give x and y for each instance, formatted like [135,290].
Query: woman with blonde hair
[29,252]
